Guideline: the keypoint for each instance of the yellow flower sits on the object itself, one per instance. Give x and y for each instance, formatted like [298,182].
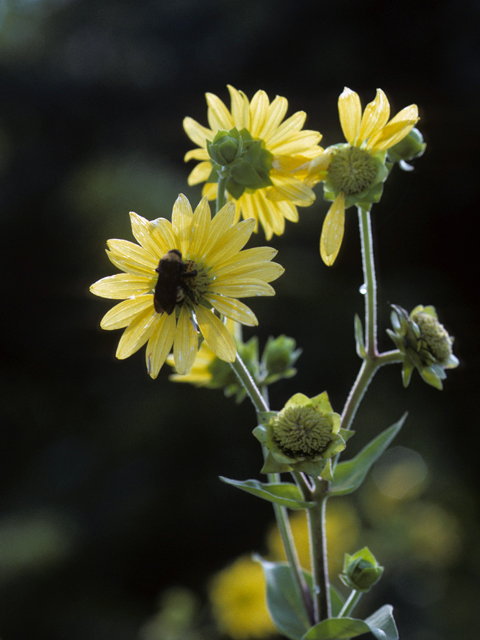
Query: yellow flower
[355,171]
[237,595]
[289,147]
[176,281]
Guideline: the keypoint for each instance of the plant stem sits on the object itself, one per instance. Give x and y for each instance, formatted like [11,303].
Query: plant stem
[221,197]
[370,282]
[281,513]
[350,604]
[318,551]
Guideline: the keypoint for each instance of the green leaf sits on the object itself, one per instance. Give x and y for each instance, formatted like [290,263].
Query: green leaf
[284,493]
[284,604]
[359,341]
[336,601]
[381,625]
[349,475]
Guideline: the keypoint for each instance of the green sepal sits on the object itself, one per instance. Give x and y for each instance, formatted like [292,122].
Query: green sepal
[347,434]
[349,475]
[272,465]
[361,570]
[359,340]
[284,603]
[283,493]
[380,624]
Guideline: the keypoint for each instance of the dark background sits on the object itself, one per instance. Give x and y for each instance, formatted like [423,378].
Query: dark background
[109,488]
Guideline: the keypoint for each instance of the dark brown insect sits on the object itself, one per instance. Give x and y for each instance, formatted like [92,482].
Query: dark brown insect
[170,287]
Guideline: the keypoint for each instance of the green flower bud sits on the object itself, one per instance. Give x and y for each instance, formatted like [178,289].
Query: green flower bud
[278,358]
[424,343]
[409,148]
[303,436]
[244,161]
[361,571]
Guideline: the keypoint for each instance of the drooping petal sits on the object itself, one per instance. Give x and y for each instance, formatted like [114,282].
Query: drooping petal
[122,286]
[233,309]
[185,344]
[350,112]
[137,333]
[197,134]
[216,335]
[160,343]
[332,231]
[123,313]
[375,117]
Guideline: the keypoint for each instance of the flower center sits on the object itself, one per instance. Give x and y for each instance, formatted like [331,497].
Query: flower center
[302,431]
[352,170]
[435,335]
[195,287]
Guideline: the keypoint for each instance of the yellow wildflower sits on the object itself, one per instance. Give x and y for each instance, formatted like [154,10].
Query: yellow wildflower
[178,278]
[286,146]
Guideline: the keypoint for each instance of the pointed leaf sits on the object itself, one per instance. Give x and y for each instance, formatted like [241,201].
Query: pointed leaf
[283,493]
[349,475]
[284,603]
[381,625]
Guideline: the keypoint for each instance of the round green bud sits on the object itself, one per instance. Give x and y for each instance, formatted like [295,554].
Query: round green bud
[361,570]
[352,170]
[302,431]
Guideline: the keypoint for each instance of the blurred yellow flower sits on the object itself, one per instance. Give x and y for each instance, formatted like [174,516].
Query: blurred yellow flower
[352,170]
[237,594]
[343,528]
[177,277]
[290,148]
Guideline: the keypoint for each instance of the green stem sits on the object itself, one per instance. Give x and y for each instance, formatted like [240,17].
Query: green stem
[370,282]
[281,513]
[318,551]
[350,604]
[221,192]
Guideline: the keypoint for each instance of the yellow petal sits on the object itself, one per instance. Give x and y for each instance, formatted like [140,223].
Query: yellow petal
[332,231]
[201,227]
[296,143]
[293,190]
[122,286]
[160,343]
[247,257]
[287,129]
[398,127]
[142,232]
[375,117]
[200,173]
[350,112]
[232,241]
[182,218]
[196,154]
[216,335]
[197,134]
[162,234]
[185,344]
[123,313]
[276,113]
[240,108]
[141,261]
[137,333]
[233,309]
[287,210]
[258,113]
[219,117]
[241,287]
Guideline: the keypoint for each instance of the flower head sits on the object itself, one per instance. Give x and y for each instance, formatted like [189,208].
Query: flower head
[277,153]
[303,436]
[176,281]
[424,343]
[354,172]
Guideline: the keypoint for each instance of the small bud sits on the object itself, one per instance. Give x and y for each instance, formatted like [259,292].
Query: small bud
[409,148]
[226,147]
[361,571]
[424,343]
[278,358]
